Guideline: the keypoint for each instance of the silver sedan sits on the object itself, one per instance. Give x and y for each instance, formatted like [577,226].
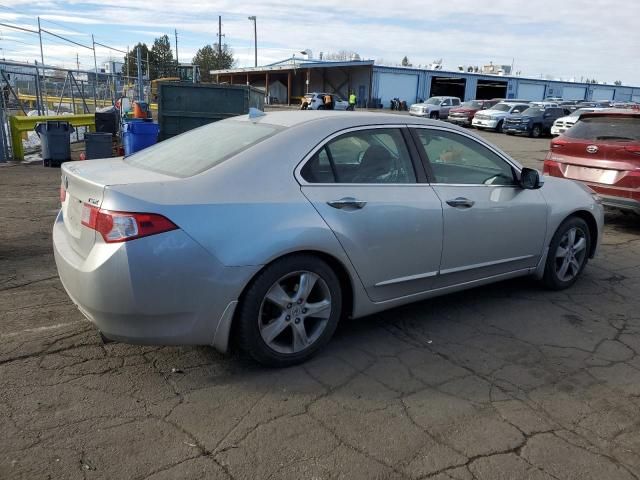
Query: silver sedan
[266,231]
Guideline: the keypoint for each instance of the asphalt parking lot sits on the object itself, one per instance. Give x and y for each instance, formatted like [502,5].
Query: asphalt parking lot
[508,381]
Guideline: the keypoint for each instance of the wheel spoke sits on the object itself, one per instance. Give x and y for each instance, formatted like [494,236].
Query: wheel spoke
[575,266]
[571,237]
[278,296]
[562,273]
[307,282]
[561,252]
[321,309]
[300,339]
[271,331]
[580,245]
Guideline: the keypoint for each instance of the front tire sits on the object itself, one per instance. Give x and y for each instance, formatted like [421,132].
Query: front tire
[536,131]
[290,311]
[434,115]
[499,127]
[568,254]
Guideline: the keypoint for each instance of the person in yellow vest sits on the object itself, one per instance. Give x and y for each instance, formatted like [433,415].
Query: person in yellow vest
[352,101]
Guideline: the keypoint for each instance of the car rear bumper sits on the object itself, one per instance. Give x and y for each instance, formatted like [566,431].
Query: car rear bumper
[164,289]
[627,204]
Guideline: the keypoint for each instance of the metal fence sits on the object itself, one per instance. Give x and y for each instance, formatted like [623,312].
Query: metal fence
[50,90]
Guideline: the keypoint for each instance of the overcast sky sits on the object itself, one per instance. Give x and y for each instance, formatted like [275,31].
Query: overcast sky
[566,39]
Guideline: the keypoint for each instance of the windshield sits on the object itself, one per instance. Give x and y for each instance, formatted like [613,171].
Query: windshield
[533,111]
[613,128]
[201,149]
[501,107]
[471,104]
[434,101]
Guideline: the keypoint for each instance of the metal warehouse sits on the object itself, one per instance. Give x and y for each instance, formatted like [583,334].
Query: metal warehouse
[376,85]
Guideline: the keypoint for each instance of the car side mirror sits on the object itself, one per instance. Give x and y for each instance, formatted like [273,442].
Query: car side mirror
[530,179]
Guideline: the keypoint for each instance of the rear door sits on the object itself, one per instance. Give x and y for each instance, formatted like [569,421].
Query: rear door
[372,192]
[491,225]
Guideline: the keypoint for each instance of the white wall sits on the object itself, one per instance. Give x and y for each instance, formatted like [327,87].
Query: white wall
[401,85]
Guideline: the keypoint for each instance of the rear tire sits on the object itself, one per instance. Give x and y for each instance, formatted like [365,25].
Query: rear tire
[281,322]
[568,254]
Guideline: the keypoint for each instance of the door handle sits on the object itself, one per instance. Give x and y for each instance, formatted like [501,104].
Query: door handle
[347,203]
[461,202]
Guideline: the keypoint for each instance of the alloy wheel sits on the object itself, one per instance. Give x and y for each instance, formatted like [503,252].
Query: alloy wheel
[570,254]
[294,312]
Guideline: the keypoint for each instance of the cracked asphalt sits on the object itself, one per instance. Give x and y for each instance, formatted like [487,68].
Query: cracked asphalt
[508,381]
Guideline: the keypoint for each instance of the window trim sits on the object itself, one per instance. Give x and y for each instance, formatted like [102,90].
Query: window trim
[416,162]
[427,163]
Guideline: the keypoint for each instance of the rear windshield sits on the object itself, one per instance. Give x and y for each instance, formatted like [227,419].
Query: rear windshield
[615,128]
[198,150]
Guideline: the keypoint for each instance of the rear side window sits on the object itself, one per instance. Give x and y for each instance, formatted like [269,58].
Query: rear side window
[364,156]
[198,150]
[615,128]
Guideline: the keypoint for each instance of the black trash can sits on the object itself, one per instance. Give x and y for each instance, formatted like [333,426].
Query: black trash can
[55,139]
[107,120]
[98,145]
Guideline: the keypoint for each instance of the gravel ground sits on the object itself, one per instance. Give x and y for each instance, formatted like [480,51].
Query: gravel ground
[507,381]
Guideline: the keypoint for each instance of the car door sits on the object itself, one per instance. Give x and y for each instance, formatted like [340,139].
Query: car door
[372,192]
[445,106]
[491,225]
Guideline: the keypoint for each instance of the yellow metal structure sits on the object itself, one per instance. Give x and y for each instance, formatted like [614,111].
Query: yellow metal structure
[18,124]
[54,101]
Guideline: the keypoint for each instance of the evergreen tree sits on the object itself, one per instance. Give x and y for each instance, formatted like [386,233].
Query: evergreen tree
[163,63]
[207,58]
[131,61]
[405,62]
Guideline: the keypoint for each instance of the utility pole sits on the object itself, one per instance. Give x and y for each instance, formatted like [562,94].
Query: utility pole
[95,65]
[139,61]
[255,38]
[176,33]
[77,61]
[219,36]
[128,72]
[40,35]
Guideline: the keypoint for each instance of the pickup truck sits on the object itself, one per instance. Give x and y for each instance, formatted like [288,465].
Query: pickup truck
[463,115]
[494,117]
[435,107]
[534,121]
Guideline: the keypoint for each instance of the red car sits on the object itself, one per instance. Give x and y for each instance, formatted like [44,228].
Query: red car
[601,150]
[463,114]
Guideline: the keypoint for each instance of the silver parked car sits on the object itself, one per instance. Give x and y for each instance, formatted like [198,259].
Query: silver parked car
[435,107]
[269,230]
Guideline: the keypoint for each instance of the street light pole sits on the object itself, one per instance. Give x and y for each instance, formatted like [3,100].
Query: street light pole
[255,38]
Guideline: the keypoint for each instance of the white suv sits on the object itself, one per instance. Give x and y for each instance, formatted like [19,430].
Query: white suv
[493,118]
[435,107]
[563,124]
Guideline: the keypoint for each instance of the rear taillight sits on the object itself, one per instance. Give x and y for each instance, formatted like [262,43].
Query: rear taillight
[63,194]
[558,143]
[633,149]
[124,226]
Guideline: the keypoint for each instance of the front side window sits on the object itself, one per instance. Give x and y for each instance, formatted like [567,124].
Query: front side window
[457,159]
[364,156]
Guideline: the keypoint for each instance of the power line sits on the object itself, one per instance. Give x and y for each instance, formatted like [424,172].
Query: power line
[66,39]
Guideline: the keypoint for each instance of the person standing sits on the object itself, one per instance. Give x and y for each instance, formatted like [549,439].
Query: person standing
[352,101]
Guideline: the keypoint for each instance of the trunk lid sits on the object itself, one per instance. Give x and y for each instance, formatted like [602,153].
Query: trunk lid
[84,183]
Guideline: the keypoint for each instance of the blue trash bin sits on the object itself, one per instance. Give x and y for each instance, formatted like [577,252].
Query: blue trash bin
[137,135]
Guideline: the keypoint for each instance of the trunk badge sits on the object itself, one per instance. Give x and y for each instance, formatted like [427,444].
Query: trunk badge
[592,149]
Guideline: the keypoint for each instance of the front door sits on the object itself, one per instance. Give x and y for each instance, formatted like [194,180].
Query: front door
[364,185]
[491,225]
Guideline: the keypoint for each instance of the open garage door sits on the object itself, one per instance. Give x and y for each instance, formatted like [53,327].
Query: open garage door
[574,93]
[448,86]
[488,89]
[531,91]
[602,94]
[397,85]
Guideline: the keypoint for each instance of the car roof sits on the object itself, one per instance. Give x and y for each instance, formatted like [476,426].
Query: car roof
[293,118]
[608,112]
